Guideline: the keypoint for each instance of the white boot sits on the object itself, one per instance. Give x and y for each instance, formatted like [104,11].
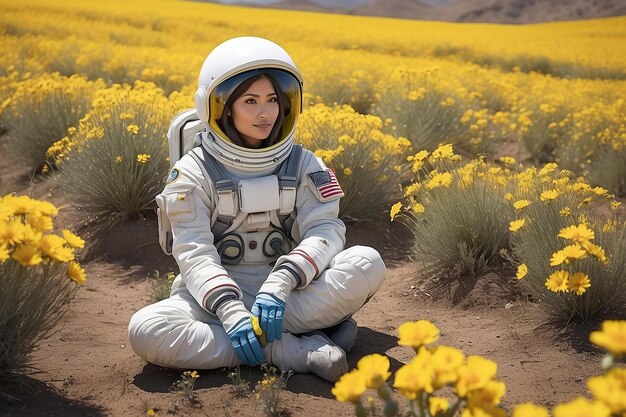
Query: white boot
[308,354]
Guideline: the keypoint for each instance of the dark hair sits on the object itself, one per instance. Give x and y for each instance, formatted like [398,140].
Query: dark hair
[284,107]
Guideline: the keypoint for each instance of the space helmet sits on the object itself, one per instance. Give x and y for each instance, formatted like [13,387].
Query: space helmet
[227,67]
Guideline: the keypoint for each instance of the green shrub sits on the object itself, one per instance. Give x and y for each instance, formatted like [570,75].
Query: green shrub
[115,163]
[34,287]
[458,214]
[549,275]
[40,111]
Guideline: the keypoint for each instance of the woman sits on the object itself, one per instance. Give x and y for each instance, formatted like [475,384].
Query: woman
[255,232]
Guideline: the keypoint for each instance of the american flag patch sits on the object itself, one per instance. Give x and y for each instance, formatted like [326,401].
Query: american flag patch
[326,185]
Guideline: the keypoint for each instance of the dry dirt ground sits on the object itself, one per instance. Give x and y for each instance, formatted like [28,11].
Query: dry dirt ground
[88,369]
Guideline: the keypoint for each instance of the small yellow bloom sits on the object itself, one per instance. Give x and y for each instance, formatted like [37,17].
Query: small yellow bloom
[567,254]
[582,407]
[612,336]
[520,204]
[549,195]
[565,212]
[350,387]
[610,388]
[522,270]
[487,396]
[475,374]
[557,281]
[416,376]
[347,171]
[529,410]
[395,209]
[580,233]
[515,225]
[118,159]
[418,333]
[374,369]
[508,196]
[143,158]
[439,179]
[596,251]
[132,129]
[445,361]
[442,152]
[76,273]
[74,241]
[27,255]
[508,160]
[578,283]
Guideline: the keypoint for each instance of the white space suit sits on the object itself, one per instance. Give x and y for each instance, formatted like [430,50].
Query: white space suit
[228,240]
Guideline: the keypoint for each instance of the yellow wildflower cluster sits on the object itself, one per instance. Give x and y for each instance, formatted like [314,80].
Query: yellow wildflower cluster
[122,111]
[366,160]
[576,282]
[471,378]
[25,237]
[472,381]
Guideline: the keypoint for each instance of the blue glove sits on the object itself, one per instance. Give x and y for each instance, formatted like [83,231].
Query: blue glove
[270,310]
[236,321]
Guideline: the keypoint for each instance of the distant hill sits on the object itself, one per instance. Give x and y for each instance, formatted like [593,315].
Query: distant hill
[492,11]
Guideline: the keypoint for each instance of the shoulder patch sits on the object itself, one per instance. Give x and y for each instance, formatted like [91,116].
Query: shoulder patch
[172,176]
[324,185]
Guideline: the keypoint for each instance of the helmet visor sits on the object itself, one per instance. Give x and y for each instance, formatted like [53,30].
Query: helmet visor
[288,91]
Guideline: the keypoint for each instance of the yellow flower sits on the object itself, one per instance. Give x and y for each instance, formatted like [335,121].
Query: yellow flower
[565,212]
[40,222]
[520,204]
[612,336]
[395,209]
[578,283]
[11,232]
[522,270]
[582,407]
[27,255]
[596,251]
[610,389]
[567,254]
[73,240]
[412,189]
[132,129]
[445,361]
[350,387]
[438,405]
[151,412]
[474,374]
[416,376]
[53,247]
[487,396]
[439,179]
[580,233]
[417,208]
[142,158]
[529,410]
[557,281]
[4,253]
[515,225]
[549,195]
[347,171]
[417,333]
[442,152]
[118,159]
[374,369]
[76,273]
[508,196]
[508,160]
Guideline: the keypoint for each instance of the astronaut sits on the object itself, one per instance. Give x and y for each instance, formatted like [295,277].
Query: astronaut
[254,228]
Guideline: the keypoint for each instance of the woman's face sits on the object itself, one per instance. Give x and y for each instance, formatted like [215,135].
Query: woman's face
[255,112]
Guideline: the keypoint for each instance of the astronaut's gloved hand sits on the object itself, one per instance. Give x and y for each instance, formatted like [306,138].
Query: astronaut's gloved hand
[235,318]
[269,305]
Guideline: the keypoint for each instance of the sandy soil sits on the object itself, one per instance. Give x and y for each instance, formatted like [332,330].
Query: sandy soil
[87,368]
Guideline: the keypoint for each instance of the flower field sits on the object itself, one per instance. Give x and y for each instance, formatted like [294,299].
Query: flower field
[486,162]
